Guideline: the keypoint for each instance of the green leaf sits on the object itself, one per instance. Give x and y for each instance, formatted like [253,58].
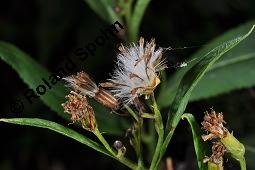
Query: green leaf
[98,8]
[238,62]
[190,80]
[32,73]
[59,129]
[136,19]
[105,9]
[195,74]
[201,147]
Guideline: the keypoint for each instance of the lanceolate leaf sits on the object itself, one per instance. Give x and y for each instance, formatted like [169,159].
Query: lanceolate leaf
[200,146]
[222,77]
[32,73]
[57,128]
[234,71]
[190,80]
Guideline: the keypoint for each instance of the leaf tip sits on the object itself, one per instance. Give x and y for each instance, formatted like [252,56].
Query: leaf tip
[3,120]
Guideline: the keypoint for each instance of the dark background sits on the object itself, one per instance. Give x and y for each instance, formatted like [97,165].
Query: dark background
[50,31]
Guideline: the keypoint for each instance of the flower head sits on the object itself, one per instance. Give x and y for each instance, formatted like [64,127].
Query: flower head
[218,151]
[213,123]
[137,70]
[83,84]
[80,110]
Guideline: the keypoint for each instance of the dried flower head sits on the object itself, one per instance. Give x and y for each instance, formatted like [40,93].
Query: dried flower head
[218,151]
[136,72]
[80,110]
[213,124]
[82,83]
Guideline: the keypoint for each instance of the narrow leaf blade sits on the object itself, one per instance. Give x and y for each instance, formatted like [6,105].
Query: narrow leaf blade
[195,74]
[32,74]
[201,147]
[220,78]
[57,128]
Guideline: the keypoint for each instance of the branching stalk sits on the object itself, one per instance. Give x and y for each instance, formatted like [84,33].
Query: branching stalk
[123,160]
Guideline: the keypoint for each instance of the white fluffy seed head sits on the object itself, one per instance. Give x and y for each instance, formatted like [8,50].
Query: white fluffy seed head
[136,71]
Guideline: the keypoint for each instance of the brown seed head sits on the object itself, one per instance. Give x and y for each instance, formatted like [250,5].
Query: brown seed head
[218,151]
[82,83]
[213,124]
[80,110]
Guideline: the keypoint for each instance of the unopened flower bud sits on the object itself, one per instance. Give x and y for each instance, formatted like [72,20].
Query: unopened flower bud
[118,145]
[120,148]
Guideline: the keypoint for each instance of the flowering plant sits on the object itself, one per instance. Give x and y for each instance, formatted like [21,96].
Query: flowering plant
[130,92]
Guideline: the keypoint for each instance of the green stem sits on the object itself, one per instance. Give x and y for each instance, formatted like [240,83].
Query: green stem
[113,17]
[128,7]
[149,139]
[171,125]
[139,134]
[213,166]
[103,141]
[132,113]
[138,143]
[148,116]
[123,160]
[160,130]
[242,163]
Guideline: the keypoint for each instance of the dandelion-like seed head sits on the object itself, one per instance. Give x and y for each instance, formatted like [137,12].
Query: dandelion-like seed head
[136,72]
[80,110]
[213,124]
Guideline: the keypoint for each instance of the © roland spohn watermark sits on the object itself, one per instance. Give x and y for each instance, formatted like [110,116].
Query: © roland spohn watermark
[80,54]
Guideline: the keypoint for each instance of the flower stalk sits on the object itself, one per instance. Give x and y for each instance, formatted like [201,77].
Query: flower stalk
[214,166]
[136,140]
[113,153]
[160,130]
